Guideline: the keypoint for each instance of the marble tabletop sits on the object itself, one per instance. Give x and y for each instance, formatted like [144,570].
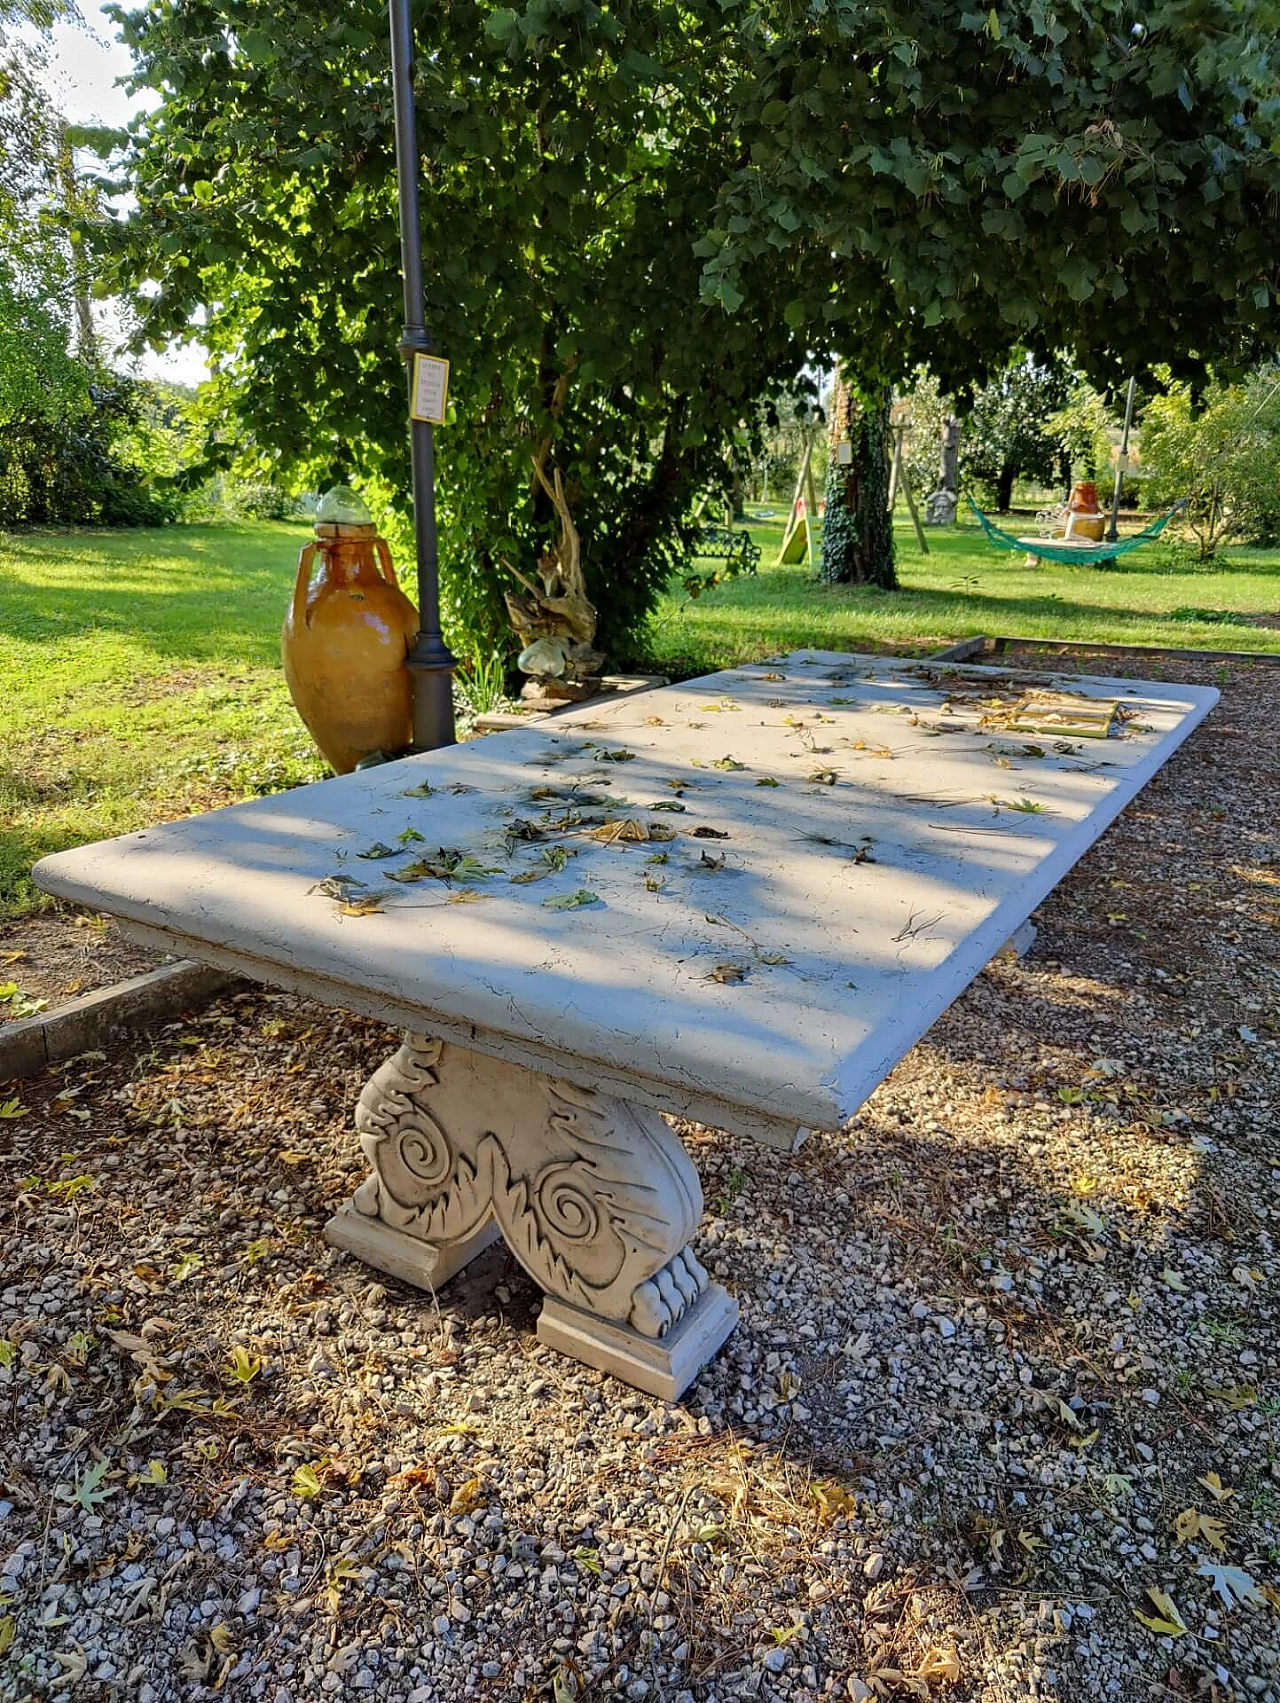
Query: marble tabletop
[741,898]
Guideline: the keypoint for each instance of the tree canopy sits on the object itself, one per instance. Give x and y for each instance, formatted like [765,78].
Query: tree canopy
[928,184]
[640,220]
[571,157]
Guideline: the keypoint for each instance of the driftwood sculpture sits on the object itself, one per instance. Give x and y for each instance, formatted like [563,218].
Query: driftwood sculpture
[557,623]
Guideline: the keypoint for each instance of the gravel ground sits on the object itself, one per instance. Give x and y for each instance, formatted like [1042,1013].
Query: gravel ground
[60,953]
[1008,1356]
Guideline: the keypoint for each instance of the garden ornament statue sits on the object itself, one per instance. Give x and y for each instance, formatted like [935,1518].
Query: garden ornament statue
[556,623]
[346,636]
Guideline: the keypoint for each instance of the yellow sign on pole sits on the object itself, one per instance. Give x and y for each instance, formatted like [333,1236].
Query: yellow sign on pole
[430,389]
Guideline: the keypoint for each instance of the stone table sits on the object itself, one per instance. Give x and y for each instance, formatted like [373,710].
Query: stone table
[740,899]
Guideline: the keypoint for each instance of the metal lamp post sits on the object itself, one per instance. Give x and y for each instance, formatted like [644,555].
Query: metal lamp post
[1122,465]
[431,663]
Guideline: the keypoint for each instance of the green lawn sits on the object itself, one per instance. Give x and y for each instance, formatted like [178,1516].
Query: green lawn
[1156,596]
[140,679]
[139,671]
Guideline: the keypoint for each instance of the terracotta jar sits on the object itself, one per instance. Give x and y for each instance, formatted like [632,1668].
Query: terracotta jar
[345,638]
[1085,518]
[1084,497]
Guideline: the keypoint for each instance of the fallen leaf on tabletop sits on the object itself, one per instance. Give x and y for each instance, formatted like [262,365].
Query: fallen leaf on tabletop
[728,973]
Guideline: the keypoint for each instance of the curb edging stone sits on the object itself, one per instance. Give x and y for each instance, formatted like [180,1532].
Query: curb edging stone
[30,1046]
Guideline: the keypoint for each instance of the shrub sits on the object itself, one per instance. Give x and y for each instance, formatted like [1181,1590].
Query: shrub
[1223,454]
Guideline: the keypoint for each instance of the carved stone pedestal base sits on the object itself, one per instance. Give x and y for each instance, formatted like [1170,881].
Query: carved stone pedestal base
[665,1367]
[596,1198]
[405,1257]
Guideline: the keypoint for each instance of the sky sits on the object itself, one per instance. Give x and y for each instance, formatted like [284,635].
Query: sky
[85,66]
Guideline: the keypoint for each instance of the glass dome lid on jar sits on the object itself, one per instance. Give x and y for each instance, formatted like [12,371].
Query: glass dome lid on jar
[342,507]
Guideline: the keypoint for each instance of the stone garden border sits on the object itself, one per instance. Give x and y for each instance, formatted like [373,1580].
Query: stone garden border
[29,1046]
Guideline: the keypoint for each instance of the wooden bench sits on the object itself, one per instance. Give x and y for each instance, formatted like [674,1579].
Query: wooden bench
[740,900]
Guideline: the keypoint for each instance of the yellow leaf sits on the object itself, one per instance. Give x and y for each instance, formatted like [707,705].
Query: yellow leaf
[244,1366]
[1236,1397]
[291,1156]
[942,1667]
[305,1483]
[221,1638]
[1214,1533]
[1272,1595]
[467,1496]
[1216,1488]
[360,908]
[1166,1621]
[833,1500]
[1186,1525]
[6,1633]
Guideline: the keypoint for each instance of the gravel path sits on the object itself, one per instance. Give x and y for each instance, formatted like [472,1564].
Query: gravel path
[1008,1357]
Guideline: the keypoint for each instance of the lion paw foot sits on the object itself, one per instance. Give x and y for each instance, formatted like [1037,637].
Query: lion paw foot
[658,1303]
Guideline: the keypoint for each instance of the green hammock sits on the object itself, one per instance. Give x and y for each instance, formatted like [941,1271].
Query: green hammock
[1060,550]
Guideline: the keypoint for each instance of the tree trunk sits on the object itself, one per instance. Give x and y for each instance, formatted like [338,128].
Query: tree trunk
[857,533]
[949,468]
[1004,488]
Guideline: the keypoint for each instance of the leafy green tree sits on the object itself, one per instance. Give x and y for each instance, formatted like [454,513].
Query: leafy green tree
[885,185]
[571,157]
[1222,453]
[1087,428]
[924,183]
[1004,432]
